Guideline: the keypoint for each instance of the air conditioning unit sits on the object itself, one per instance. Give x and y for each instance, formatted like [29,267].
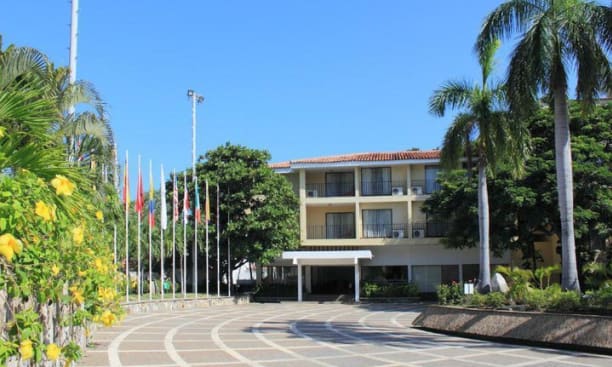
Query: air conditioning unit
[417,190]
[398,233]
[397,191]
[418,233]
[312,193]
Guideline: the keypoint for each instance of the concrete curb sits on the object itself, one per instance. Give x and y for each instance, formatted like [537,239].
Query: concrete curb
[567,331]
[182,304]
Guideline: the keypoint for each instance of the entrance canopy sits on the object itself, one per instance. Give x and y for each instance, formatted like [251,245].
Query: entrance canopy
[326,257]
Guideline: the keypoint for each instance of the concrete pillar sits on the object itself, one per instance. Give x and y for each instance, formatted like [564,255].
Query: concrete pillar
[357,278]
[357,176]
[299,282]
[460,273]
[409,273]
[303,224]
[358,221]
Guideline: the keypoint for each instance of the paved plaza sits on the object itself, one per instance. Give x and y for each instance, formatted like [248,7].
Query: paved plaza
[305,334]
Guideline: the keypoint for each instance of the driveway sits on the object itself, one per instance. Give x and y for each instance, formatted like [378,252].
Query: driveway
[305,334]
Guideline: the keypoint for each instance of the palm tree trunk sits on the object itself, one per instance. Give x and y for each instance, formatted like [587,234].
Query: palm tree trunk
[565,185]
[484,278]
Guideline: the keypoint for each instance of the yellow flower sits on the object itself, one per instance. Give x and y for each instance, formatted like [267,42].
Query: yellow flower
[9,240]
[82,273]
[107,318]
[53,352]
[62,185]
[77,296]
[100,216]
[77,235]
[106,294]
[26,350]
[100,267]
[55,269]
[7,252]
[44,211]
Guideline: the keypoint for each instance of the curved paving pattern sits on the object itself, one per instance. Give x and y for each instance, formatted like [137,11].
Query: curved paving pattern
[307,334]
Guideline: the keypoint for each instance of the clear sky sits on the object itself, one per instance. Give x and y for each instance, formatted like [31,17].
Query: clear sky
[299,78]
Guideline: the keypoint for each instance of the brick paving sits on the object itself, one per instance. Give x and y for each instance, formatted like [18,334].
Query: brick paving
[304,335]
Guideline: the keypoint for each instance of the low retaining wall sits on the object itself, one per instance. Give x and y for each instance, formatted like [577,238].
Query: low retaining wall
[182,304]
[583,332]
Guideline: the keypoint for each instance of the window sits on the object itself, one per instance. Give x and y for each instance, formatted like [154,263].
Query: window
[340,225]
[431,174]
[377,223]
[376,181]
[340,184]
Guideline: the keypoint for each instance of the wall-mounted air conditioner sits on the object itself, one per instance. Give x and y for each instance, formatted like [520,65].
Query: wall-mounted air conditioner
[398,233]
[417,190]
[397,190]
[312,193]
[418,233]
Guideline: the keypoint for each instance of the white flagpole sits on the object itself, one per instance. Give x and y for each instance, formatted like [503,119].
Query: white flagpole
[150,237]
[174,218]
[206,220]
[229,263]
[218,253]
[116,185]
[163,224]
[195,240]
[139,183]
[127,232]
[184,272]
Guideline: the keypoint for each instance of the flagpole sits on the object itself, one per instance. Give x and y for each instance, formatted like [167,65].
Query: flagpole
[184,272]
[150,230]
[218,253]
[229,262]
[139,285]
[195,241]
[163,223]
[174,218]
[126,191]
[206,217]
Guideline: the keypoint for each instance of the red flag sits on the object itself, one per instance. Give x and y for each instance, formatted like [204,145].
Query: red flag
[139,194]
[186,203]
[175,200]
[126,184]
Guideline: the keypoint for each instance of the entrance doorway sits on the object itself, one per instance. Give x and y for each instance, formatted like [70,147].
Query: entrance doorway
[332,279]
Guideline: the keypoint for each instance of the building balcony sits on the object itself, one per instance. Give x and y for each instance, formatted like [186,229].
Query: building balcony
[424,187]
[372,189]
[383,188]
[314,190]
[385,231]
[318,232]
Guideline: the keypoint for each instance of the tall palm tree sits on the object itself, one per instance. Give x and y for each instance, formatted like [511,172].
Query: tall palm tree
[484,124]
[556,35]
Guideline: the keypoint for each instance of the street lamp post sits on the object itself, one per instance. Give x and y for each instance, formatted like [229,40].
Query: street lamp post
[195,99]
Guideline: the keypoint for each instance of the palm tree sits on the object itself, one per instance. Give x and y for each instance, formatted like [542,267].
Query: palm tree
[556,35]
[484,125]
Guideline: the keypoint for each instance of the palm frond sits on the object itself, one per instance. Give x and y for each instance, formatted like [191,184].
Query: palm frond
[508,18]
[17,61]
[456,139]
[452,94]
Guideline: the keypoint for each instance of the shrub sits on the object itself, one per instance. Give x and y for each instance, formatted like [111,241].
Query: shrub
[600,298]
[372,289]
[450,294]
[476,300]
[537,299]
[495,299]
[565,301]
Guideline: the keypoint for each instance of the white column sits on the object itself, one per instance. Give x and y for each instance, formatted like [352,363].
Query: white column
[357,276]
[460,273]
[299,282]
[308,278]
[409,272]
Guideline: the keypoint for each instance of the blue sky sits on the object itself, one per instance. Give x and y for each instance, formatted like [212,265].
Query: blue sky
[301,78]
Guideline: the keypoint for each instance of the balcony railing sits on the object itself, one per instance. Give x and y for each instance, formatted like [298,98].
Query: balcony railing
[385,230]
[330,189]
[429,229]
[420,187]
[381,188]
[318,232]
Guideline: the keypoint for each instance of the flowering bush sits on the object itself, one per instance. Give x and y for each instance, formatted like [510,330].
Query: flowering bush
[54,250]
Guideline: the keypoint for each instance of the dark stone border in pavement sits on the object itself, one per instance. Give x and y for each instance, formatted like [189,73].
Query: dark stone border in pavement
[586,333]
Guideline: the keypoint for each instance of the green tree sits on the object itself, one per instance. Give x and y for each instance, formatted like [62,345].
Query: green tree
[524,209]
[258,208]
[485,125]
[555,35]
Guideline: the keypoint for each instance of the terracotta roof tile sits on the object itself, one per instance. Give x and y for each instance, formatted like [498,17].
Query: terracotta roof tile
[365,157]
